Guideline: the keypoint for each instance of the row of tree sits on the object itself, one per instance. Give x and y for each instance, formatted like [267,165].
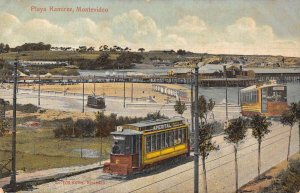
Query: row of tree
[104,61]
[102,126]
[235,133]
[236,130]
[32,47]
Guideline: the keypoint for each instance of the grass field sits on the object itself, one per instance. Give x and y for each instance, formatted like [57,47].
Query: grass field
[37,149]
[49,55]
[66,55]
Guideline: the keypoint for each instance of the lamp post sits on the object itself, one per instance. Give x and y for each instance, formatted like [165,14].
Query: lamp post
[14,140]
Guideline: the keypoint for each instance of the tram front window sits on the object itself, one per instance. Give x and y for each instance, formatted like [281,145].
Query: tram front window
[119,145]
[124,144]
[277,94]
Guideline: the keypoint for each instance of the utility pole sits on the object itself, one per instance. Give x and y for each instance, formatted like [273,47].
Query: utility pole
[39,92]
[81,153]
[238,90]
[225,74]
[192,100]
[196,134]
[124,87]
[94,85]
[101,141]
[14,137]
[83,95]
[131,92]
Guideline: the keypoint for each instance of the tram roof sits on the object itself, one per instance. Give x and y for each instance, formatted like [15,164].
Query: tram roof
[156,122]
[127,132]
[253,87]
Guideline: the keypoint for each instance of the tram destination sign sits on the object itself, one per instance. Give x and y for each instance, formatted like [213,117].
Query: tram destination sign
[278,88]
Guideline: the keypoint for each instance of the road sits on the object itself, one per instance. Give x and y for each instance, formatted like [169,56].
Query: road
[113,105]
[220,168]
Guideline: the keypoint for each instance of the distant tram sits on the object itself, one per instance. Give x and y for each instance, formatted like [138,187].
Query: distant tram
[96,102]
[267,99]
[141,146]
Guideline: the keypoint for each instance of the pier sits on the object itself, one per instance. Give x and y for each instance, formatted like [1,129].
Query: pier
[204,80]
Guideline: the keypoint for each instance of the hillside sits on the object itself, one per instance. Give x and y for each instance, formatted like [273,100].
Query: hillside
[157,58]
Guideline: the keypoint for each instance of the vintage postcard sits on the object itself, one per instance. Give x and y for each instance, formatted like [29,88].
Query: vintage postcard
[149,96]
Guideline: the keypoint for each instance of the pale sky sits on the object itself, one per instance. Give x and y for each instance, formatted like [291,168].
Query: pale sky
[212,26]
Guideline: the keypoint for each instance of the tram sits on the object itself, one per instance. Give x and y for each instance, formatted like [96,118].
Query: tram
[96,102]
[143,145]
[267,99]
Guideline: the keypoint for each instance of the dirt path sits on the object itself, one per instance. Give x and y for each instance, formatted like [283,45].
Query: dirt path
[256,185]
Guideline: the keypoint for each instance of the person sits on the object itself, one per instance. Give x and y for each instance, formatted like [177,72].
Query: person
[116,148]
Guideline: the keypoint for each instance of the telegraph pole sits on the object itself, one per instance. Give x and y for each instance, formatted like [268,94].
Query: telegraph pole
[94,85]
[238,90]
[192,100]
[131,92]
[14,140]
[101,142]
[124,88]
[39,92]
[83,95]
[226,91]
[196,134]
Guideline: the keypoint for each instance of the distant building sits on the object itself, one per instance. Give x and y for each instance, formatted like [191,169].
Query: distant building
[44,63]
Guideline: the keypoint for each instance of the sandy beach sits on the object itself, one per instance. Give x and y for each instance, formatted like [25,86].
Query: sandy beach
[140,90]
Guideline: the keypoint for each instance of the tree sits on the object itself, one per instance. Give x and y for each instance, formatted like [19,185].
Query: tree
[205,108]
[3,126]
[105,47]
[260,128]
[288,118]
[84,127]
[180,107]
[295,109]
[91,49]
[206,146]
[6,48]
[103,61]
[235,133]
[141,50]
[181,52]
[210,106]
[127,59]
[82,48]
[105,124]
[2,46]
[202,108]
